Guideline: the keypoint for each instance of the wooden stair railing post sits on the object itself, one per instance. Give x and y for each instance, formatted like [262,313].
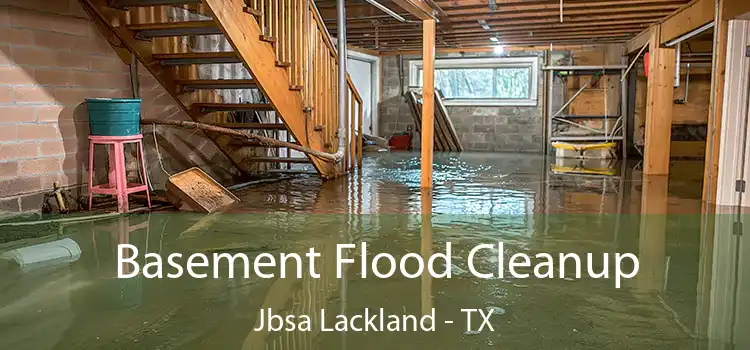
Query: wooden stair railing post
[359,134]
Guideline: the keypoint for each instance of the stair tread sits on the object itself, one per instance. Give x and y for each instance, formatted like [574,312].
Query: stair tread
[257,126]
[214,54]
[147,3]
[218,83]
[279,159]
[187,58]
[171,29]
[234,106]
[172,25]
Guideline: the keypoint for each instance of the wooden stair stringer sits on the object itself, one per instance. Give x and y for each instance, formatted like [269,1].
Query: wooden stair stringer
[243,32]
[103,15]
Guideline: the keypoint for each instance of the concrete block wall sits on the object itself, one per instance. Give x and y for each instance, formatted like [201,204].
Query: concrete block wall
[52,58]
[481,128]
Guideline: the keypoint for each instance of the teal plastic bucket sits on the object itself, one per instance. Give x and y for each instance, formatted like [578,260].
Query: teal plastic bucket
[114,116]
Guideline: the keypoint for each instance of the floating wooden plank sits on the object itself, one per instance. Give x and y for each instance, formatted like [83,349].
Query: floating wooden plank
[199,191]
[446,138]
[444,119]
[231,107]
[217,84]
[187,58]
[167,29]
[252,126]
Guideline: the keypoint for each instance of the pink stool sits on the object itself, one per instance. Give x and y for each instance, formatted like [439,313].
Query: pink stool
[118,183]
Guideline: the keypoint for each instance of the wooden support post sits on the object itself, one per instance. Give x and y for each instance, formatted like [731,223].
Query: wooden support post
[659,102]
[428,100]
[716,108]
[426,242]
[652,237]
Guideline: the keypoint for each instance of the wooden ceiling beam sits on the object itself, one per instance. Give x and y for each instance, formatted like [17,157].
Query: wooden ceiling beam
[485,42]
[527,23]
[444,50]
[557,45]
[688,18]
[486,38]
[608,6]
[418,8]
[646,17]
[735,8]
[358,10]
[528,27]
[684,20]
[543,36]
[633,28]
[539,4]
[590,13]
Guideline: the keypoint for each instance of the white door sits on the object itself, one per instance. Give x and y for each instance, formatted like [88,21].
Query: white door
[361,74]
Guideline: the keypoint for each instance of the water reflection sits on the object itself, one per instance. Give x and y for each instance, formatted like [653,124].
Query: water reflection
[691,292]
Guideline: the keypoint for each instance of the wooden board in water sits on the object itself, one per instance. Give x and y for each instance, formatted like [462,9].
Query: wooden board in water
[199,191]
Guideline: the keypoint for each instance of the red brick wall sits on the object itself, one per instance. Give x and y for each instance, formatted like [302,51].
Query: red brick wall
[51,59]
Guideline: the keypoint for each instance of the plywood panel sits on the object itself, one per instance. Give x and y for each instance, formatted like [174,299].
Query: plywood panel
[696,110]
[688,149]
[589,102]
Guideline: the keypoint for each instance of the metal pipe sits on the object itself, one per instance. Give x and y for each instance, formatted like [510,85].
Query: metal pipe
[436,7]
[341,29]
[687,83]
[690,34]
[388,11]
[678,56]
[363,18]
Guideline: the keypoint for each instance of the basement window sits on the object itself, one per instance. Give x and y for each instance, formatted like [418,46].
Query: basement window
[497,81]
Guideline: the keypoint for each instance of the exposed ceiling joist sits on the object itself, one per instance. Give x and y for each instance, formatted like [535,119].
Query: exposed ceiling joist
[470,23]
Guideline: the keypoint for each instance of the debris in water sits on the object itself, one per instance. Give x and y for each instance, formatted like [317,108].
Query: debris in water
[496,310]
[457,270]
[471,332]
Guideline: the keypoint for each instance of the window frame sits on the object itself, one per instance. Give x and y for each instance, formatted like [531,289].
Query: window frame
[492,62]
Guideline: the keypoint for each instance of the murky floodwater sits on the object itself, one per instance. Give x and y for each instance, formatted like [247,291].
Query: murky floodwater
[691,291]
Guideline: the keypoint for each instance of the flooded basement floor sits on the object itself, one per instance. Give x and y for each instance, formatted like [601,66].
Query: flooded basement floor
[690,291]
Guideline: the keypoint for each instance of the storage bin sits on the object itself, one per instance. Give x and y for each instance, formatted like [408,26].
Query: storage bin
[114,116]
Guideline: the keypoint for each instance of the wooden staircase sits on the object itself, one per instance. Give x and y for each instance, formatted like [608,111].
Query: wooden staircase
[286,86]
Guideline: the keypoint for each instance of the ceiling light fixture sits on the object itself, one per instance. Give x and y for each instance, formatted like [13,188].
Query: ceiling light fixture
[498,50]
[495,40]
